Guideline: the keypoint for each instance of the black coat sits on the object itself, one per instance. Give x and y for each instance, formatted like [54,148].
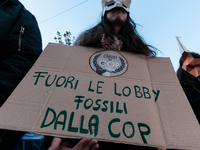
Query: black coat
[193,96]
[14,63]
[20,46]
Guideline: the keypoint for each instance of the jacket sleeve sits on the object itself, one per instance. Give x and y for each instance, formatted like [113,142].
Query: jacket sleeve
[14,64]
[12,70]
[195,103]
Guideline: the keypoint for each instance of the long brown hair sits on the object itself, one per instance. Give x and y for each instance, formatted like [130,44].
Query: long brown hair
[184,76]
[132,41]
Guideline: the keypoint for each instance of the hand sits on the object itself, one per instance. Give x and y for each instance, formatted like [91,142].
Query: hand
[84,144]
[160,148]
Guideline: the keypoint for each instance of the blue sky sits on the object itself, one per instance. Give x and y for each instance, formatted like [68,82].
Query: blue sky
[160,21]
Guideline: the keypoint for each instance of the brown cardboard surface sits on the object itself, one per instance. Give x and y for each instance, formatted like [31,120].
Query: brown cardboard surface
[55,97]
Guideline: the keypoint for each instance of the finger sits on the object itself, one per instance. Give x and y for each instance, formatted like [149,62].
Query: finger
[64,148]
[55,144]
[160,148]
[95,147]
[92,145]
[81,144]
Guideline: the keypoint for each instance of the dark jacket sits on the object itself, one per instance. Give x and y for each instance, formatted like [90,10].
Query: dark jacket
[193,96]
[20,46]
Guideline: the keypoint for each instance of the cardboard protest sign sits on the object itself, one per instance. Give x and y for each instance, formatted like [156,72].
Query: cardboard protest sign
[120,97]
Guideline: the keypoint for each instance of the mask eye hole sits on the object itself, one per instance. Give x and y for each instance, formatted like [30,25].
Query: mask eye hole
[124,5]
[191,66]
[110,4]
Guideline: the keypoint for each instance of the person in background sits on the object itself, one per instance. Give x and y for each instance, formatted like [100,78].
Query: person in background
[188,74]
[20,46]
[116,31]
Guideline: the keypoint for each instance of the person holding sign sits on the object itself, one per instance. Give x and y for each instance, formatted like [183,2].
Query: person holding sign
[189,76]
[116,31]
[20,46]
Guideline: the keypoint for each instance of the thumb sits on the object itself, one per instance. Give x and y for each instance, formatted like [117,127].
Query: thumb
[81,144]
[55,144]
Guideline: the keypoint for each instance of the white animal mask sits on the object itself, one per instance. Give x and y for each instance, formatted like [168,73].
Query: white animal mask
[110,4]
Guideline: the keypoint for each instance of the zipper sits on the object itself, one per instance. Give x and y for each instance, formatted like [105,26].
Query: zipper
[20,37]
